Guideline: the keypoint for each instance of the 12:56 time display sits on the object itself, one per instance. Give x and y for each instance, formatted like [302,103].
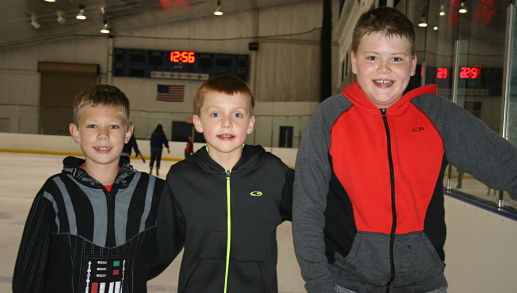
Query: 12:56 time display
[183,56]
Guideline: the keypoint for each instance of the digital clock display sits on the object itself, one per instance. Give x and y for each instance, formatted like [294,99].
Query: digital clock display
[183,57]
[178,64]
[470,72]
[465,72]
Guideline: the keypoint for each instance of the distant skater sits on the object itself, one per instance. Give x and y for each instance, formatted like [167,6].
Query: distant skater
[189,148]
[158,141]
[126,151]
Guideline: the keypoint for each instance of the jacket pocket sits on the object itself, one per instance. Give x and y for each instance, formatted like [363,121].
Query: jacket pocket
[207,276]
[416,260]
[367,261]
[248,276]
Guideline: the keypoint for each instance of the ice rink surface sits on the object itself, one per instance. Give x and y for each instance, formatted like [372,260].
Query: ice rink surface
[22,175]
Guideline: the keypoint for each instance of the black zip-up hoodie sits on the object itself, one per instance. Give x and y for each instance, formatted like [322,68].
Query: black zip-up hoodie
[228,219]
[79,237]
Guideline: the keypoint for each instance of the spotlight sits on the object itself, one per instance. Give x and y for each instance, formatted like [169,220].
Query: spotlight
[81,15]
[435,28]
[423,22]
[218,11]
[51,1]
[34,22]
[60,17]
[105,28]
[442,10]
[463,8]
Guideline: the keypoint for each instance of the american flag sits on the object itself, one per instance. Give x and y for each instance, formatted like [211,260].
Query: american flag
[170,93]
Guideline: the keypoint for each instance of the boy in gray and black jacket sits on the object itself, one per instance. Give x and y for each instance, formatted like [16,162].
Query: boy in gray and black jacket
[92,228]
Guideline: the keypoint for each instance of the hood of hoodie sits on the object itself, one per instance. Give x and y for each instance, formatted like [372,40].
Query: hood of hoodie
[72,167]
[357,96]
[249,157]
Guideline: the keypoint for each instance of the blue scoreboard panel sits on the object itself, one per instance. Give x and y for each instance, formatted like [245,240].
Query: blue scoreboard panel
[177,64]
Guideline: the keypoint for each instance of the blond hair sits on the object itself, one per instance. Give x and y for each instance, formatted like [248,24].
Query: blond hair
[222,84]
[104,95]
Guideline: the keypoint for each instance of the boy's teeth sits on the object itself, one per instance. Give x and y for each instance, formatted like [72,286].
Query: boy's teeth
[383,81]
[103,148]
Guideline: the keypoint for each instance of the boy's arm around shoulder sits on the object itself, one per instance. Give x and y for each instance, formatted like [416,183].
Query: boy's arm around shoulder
[313,171]
[285,176]
[472,146]
[31,262]
[170,231]
[286,206]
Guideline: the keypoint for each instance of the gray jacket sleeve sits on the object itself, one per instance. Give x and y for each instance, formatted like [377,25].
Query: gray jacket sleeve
[311,184]
[471,146]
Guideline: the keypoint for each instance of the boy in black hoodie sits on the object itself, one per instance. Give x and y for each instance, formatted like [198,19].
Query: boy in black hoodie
[228,197]
[92,228]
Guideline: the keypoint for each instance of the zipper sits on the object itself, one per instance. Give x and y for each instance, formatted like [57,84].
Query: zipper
[228,227]
[110,237]
[393,208]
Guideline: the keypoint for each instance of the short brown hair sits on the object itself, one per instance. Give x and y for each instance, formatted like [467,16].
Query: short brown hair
[227,84]
[385,20]
[105,95]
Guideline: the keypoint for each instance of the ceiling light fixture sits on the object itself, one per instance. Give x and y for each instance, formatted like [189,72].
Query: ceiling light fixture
[81,15]
[218,11]
[442,10]
[435,28]
[105,28]
[463,8]
[60,17]
[423,22]
[34,22]
[51,1]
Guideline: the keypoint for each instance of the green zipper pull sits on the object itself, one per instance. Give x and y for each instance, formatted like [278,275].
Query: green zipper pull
[229,228]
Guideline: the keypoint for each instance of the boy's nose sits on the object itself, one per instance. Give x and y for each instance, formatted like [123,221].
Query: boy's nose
[227,122]
[383,67]
[103,133]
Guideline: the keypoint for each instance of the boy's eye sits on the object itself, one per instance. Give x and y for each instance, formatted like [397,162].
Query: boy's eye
[114,126]
[215,115]
[371,58]
[397,59]
[238,115]
[91,126]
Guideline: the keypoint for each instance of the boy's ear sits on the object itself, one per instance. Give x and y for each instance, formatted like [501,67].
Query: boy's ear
[129,132]
[413,65]
[251,124]
[74,132]
[197,123]
[352,61]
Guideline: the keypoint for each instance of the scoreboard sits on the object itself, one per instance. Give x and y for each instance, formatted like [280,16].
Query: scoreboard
[178,64]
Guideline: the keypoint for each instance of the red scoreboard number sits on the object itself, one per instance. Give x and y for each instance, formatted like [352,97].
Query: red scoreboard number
[465,72]
[469,72]
[183,57]
[442,73]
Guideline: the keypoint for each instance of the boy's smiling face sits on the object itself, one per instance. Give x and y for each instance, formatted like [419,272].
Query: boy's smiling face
[383,65]
[101,134]
[224,120]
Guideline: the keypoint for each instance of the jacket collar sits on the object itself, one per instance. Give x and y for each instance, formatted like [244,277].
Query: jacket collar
[248,159]
[71,166]
[357,96]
